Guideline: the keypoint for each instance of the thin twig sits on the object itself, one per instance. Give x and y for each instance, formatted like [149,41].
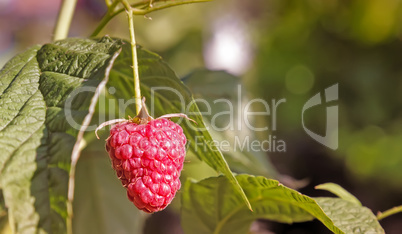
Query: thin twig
[392,211]
[142,8]
[164,6]
[110,14]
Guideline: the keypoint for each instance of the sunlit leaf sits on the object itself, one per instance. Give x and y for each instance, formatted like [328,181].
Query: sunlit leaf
[339,191]
[349,216]
[210,206]
[39,121]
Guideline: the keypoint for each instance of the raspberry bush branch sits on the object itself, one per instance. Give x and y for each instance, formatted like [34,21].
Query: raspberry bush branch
[140,8]
[110,14]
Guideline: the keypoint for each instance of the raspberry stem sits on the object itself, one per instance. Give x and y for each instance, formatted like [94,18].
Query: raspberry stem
[137,90]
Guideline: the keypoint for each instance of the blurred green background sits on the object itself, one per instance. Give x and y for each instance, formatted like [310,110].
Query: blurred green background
[279,49]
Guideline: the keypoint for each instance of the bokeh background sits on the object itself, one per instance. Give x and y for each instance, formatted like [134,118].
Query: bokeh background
[279,49]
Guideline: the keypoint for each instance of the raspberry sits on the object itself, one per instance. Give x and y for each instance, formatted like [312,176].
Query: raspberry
[147,155]
[148,159]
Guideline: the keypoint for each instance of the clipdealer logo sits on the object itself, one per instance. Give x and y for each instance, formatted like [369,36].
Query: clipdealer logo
[330,139]
[238,115]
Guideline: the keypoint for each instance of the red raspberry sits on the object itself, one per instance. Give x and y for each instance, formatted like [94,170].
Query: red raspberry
[148,159]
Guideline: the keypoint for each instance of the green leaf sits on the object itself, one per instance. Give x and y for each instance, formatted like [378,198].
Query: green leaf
[211,206]
[349,216]
[223,104]
[38,127]
[339,191]
[167,94]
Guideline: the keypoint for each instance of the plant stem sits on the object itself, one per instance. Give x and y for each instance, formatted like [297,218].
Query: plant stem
[66,13]
[110,14]
[108,3]
[71,185]
[137,11]
[164,6]
[392,211]
[137,90]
